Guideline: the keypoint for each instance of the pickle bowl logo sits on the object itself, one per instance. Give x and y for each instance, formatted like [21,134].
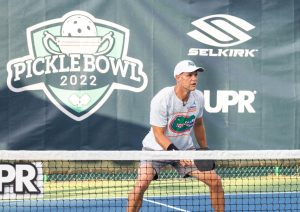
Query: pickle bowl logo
[78,61]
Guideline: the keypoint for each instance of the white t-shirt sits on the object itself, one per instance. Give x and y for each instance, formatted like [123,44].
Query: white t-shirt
[168,111]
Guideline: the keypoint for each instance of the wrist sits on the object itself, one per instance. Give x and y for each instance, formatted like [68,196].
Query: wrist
[172,147]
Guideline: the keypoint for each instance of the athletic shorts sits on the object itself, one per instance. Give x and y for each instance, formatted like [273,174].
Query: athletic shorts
[158,165]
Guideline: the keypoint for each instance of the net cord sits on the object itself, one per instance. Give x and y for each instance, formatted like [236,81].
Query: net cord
[148,155]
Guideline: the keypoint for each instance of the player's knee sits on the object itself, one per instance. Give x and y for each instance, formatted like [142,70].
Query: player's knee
[143,184]
[216,182]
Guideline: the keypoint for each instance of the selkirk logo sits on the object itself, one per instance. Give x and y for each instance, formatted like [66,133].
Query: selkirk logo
[221,31]
[78,61]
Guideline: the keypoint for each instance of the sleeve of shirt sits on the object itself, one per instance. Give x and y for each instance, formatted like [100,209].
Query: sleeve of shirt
[200,99]
[158,111]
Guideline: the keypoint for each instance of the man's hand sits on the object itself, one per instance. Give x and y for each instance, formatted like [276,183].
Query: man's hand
[185,163]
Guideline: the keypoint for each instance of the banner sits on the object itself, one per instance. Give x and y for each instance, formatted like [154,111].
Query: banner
[80,75]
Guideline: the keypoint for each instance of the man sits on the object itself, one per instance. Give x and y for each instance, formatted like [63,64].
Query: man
[174,112]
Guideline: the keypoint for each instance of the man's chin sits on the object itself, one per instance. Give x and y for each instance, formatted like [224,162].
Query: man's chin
[193,88]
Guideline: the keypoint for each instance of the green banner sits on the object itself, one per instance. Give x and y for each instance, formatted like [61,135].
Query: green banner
[81,74]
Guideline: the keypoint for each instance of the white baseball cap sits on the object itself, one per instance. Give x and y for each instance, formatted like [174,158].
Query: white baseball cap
[186,66]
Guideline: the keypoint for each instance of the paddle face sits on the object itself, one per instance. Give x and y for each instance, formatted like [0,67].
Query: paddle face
[205,165]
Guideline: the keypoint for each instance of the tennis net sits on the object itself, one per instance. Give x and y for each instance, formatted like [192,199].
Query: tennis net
[265,180]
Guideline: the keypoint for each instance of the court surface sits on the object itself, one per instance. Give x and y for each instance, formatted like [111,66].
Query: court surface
[281,201]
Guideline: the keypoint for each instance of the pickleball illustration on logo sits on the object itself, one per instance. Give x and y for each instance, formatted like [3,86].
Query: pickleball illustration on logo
[78,61]
[78,35]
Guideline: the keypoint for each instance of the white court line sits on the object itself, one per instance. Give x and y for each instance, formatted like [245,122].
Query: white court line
[235,194]
[168,206]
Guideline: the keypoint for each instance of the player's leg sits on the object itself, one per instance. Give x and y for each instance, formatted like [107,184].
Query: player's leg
[146,174]
[214,183]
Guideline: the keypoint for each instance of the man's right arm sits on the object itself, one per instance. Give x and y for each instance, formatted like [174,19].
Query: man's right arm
[166,144]
[161,139]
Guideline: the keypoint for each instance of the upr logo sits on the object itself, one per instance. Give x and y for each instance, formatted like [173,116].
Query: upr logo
[221,31]
[78,61]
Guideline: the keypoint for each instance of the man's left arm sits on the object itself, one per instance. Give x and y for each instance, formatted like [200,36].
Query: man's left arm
[200,134]
[199,130]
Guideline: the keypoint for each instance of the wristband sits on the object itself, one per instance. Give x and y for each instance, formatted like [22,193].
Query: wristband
[172,147]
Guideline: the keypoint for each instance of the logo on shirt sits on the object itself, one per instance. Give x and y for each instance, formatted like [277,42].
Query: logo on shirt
[181,123]
[192,108]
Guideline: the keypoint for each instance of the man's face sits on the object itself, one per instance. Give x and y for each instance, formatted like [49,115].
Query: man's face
[188,80]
